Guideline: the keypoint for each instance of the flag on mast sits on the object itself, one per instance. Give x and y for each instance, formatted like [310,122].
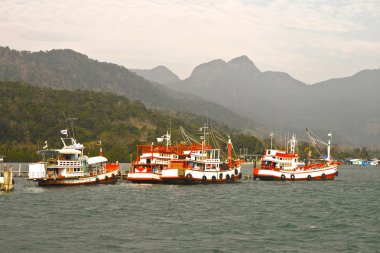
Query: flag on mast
[64,131]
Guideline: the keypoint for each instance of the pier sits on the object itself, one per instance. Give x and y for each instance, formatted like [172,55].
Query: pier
[6,178]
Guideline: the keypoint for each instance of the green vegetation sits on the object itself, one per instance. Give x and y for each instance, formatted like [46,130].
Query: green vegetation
[30,115]
[69,70]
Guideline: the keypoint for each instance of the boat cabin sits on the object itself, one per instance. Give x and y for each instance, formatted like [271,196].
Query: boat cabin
[279,160]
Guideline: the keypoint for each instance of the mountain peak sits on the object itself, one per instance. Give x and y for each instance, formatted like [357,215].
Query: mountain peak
[159,74]
[214,67]
[244,62]
[241,59]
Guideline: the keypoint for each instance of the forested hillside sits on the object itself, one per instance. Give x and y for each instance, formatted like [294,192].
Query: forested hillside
[30,115]
[67,69]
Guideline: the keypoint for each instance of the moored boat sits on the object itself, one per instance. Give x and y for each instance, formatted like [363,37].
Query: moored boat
[284,165]
[202,165]
[69,166]
[150,161]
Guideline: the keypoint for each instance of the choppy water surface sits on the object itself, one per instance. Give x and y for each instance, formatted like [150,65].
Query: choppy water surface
[252,216]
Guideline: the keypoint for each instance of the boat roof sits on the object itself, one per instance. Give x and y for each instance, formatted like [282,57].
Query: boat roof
[69,151]
[96,159]
[65,151]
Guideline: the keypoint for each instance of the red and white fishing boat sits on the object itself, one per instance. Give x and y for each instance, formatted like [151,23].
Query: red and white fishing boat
[69,166]
[202,165]
[284,165]
[150,161]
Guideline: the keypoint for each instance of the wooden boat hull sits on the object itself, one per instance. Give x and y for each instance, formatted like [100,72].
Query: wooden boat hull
[323,173]
[106,178]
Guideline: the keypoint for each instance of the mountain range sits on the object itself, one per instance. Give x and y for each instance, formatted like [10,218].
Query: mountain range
[235,93]
[346,106]
[67,69]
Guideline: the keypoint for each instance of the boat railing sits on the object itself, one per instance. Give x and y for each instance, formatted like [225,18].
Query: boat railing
[68,163]
[211,161]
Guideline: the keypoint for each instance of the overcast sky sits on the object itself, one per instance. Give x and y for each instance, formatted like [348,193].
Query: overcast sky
[311,40]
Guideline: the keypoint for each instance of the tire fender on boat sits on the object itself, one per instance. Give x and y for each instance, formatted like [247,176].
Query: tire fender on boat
[221,176]
[336,173]
[323,176]
[236,172]
[232,177]
[97,180]
[309,177]
[204,179]
[213,179]
[240,175]
[189,176]
[282,177]
[106,178]
[292,177]
[227,177]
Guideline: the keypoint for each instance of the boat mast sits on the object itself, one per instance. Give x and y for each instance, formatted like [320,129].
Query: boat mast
[203,138]
[293,144]
[329,146]
[315,140]
[229,146]
[71,120]
[271,137]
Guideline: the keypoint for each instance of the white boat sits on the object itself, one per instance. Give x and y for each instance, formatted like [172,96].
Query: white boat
[69,166]
[284,165]
[373,162]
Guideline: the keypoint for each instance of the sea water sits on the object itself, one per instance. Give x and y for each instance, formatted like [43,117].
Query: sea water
[251,216]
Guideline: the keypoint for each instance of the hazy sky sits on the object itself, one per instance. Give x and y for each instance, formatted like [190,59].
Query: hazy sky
[311,40]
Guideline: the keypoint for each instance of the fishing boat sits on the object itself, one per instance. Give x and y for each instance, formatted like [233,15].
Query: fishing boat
[373,162]
[151,160]
[202,164]
[69,166]
[284,165]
